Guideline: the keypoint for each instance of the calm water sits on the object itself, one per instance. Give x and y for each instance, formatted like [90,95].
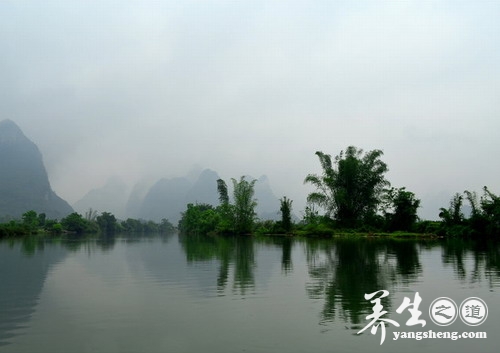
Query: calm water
[202,294]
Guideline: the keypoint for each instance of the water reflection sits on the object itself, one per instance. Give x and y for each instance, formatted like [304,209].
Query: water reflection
[472,261]
[24,266]
[227,250]
[343,270]
[298,279]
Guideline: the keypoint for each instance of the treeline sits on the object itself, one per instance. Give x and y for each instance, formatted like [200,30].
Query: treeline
[483,221]
[351,194]
[227,218]
[33,223]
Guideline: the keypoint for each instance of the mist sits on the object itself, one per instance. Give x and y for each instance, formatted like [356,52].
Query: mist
[156,89]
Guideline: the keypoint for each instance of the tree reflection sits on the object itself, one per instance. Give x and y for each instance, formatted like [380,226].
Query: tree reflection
[244,264]
[471,260]
[285,244]
[236,251]
[407,259]
[343,270]
[286,255]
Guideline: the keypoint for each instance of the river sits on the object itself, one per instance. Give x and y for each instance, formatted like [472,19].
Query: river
[171,293]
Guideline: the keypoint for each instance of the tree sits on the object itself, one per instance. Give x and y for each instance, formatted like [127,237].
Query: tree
[404,205]
[107,222]
[453,215]
[286,213]
[198,219]
[76,223]
[244,205]
[222,189]
[484,219]
[30,221]
[349,189]
[490,206]
[166,226]
[91,215]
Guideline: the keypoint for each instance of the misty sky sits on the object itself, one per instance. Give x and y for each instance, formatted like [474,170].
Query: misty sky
[136,88]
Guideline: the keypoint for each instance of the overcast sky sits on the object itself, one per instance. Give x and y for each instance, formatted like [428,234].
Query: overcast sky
[135,88]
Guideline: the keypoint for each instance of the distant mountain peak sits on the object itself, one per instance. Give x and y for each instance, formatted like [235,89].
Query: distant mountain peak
[10,132]
[24,184]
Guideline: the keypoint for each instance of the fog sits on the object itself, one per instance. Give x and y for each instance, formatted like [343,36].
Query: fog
[158,88]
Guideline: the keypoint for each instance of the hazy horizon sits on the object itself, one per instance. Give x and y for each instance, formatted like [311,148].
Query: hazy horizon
[160,88]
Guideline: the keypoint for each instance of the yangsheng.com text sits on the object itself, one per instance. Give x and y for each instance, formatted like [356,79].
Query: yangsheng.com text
[431,334]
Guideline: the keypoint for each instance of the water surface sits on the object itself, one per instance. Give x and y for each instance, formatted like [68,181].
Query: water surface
[215,294]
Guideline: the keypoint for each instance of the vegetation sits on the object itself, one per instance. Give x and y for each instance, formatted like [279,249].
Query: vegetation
[483,221]
[244,205]
[351,196]
[228,218]
[401,209]
[105,223]
[286,214]
[350,188]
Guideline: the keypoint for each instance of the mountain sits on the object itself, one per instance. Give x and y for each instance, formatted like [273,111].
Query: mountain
[24,184]
[204,189]
[165,199]
[136,198]
[111,197]
[169,197]
[268,205]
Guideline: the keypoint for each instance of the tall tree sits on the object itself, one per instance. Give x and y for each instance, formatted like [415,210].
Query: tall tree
[222,189]
[286,213]
[244,205]
[350,188]
[453,215]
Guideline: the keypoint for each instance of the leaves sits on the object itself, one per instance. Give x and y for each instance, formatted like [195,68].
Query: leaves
[350,190]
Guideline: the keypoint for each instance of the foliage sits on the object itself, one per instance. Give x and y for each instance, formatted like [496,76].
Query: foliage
[227,218]
[131,225]
[286,213]
[403,205]
[30,221]
[91,215]
[199,219]
[223,194]
[107,223]
[453,215]
[77,224]
[484,220]
[350,188]
[166,226]
[244,205]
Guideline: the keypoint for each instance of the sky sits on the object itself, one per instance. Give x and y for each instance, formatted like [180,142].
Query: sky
[156,88]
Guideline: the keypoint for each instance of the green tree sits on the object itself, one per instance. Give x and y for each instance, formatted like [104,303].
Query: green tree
[30,221]
[107,222]
[351,187]
[404,207]
[222,189]
[453,215]
[91,215]
[244,205]
[225,210]
[198,219]
[42,218]
[286,213]
[490,206]
[166,226]
[76,223]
